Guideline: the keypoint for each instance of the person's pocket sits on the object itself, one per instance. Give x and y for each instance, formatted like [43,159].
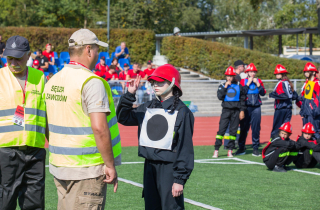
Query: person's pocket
[89,203]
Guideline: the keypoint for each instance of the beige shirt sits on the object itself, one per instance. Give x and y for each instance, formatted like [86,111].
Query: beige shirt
[94,99]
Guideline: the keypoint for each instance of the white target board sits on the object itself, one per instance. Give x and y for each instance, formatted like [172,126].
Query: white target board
[158,129]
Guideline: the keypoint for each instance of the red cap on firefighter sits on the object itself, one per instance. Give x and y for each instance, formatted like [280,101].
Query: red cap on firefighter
[280,70]
[251,67]
[36,63]
[286,127]
[308,128]
[167,72]
[230,71]
[310,67]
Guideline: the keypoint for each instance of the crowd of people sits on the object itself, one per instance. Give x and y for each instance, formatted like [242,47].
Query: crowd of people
[241,102]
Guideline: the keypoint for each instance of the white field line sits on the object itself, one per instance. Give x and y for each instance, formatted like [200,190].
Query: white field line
[205,206]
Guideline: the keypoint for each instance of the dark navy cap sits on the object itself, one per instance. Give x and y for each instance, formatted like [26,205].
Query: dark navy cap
[149,62]
[126,65]
[16,47]
[238,63]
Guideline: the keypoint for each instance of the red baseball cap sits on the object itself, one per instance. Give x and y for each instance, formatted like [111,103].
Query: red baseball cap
[36,62]
[49,44]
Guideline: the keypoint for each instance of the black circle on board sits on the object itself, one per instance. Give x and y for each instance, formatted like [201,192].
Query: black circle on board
[308,89]
[157,127]
[231,92]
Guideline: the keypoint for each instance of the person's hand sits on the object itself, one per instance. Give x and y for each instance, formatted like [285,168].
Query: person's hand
[241,115]
[111,177]
[122,50]
[249,80]
[177,189]
[227,84]
[118,65]
[134,84]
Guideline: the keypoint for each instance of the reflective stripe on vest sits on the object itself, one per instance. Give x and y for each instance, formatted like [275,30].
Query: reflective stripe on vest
[11,93]
[233,93]
[72,143]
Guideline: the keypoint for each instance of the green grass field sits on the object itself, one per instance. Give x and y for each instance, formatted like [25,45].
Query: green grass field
[224,186]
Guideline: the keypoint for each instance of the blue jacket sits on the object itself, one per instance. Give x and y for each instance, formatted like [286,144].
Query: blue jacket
[253,92]
[283,95]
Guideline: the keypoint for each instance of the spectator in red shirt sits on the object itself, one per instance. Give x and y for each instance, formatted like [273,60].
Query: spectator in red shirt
[49,54]
[123,75]
[36,65]
[149,70]
[101,68]
[117,65]
[43,60]
[132,74]
[111,74]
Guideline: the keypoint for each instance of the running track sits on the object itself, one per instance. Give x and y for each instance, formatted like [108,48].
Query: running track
[206,128]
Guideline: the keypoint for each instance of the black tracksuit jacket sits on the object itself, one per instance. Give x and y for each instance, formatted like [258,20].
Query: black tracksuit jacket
[181,153]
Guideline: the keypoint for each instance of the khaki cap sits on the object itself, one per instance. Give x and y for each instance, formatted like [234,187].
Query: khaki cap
[84,37]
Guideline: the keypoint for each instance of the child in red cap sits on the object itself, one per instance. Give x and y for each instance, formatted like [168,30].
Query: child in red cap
[280,151]
[309,154]
[165,130]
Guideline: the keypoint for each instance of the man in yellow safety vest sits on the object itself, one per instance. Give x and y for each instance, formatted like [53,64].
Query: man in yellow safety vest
[84,142]
[22,130]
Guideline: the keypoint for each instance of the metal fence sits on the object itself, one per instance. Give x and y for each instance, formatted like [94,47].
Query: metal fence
[145,92]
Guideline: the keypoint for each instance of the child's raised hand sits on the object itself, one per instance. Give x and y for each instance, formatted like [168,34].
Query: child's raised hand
[134,84]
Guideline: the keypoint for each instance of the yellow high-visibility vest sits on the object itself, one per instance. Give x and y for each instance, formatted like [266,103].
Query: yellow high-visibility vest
[71,141]
[11,95]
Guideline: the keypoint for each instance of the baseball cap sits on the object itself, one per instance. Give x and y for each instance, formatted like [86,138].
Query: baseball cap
[149,62]
[16,47]
[49,44]
[84,37]
[103,58]
[238,63]
[126,65]
[36,62]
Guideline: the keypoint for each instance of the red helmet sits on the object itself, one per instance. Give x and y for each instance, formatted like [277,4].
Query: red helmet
[280,70]
[167,72]
[251,67]
[308,128]
[310,67]
[286,127]
[36,63]
[230,71]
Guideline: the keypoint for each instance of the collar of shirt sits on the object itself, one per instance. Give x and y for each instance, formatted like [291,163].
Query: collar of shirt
[167,103]
[76,65]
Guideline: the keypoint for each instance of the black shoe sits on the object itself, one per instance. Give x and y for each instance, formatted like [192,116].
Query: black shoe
[256,153]
[240,152]
[287,168]
[279,169]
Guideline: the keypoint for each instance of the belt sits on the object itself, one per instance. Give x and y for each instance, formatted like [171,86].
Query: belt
[25,147]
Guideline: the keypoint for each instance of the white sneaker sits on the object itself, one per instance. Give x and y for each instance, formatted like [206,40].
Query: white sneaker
[230,154]
[215,154]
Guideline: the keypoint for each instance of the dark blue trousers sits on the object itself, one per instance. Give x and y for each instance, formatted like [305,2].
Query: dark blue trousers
[315,122]
[252,118]
[280,116]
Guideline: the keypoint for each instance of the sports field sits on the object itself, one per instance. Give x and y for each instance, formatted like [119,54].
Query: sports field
[239,183]
[223,184]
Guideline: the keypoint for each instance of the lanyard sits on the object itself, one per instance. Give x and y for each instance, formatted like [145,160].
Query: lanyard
[76,63]
[25,87]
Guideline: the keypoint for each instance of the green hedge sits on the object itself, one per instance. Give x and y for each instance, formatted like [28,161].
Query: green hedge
[213,58]
[141,43]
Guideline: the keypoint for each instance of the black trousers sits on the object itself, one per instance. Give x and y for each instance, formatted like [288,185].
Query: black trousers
[22,178]
[157,191]
[306,160]
[228,116]
[280,116]
[274,159]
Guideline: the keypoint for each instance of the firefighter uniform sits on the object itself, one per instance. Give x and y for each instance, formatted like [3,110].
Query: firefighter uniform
[253,112]
[279,151]
[308,101]
[309,153]
[233,101]
[167,160]
[283,96]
